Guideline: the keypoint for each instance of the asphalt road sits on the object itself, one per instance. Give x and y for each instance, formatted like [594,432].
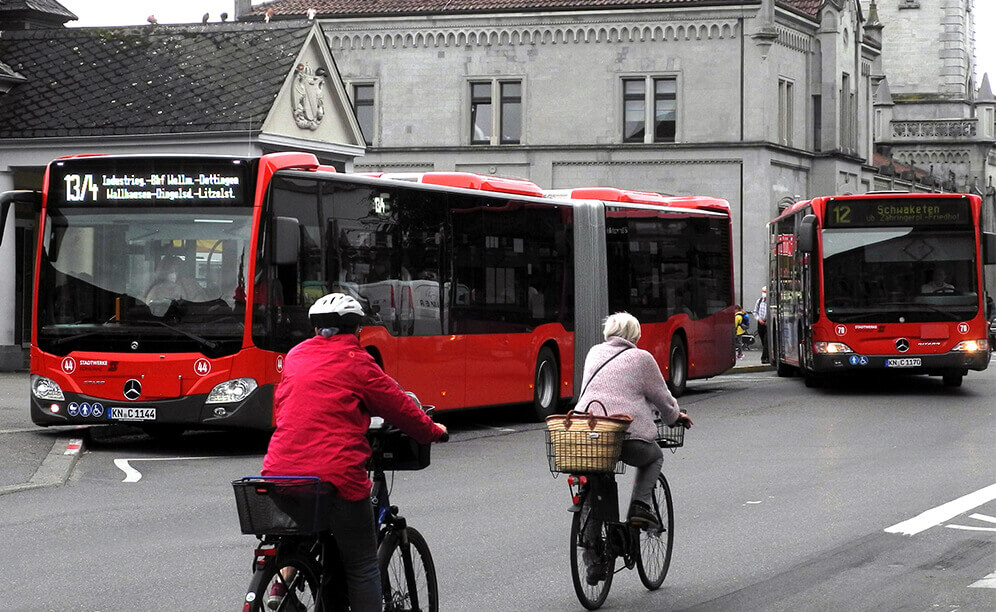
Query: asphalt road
[784,497]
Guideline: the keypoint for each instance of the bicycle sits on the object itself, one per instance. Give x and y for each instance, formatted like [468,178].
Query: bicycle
[598,537]
[297,551]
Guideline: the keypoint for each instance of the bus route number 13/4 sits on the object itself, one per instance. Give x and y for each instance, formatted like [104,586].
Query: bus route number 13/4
[78,185]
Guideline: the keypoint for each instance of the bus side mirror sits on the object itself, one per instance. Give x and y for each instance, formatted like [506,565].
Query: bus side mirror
[23,196]
[807,234]
[287,239]
[988,248]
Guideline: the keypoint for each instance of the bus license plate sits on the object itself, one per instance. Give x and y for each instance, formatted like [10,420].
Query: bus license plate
[908,362]
[133,414]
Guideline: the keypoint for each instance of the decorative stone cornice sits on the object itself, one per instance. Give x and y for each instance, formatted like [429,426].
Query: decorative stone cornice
[532,35]
[794,39]
[648,162]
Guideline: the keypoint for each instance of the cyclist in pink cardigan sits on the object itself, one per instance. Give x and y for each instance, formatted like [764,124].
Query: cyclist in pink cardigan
[627,380]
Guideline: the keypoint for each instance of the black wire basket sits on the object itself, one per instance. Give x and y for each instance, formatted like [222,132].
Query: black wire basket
[669,437]
[283,506]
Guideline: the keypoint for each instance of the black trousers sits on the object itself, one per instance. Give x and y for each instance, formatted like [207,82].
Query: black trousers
[762,330]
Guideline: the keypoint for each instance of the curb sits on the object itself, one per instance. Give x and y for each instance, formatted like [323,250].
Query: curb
[55,469]
[750,369]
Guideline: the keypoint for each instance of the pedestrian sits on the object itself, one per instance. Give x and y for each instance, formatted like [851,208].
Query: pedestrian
[761,314]
[329,389]
[627,380]
[741,323]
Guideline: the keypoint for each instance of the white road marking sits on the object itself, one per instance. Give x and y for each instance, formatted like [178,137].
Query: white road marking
[968,528]
[989,582]
[133,475]
[983,517]
[978,517]
[944,512]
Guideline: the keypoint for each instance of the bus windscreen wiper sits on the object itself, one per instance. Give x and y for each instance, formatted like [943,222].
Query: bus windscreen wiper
[211,344]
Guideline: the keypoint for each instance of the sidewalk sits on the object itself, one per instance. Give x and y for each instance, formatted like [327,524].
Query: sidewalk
[30,456]
[750,363]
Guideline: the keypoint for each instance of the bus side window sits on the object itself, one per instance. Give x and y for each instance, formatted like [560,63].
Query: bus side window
[283,291]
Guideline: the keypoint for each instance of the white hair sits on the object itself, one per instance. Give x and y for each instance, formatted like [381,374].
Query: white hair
[623,325]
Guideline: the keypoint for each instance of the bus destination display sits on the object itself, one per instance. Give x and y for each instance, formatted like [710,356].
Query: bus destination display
[207,185]
[897,212]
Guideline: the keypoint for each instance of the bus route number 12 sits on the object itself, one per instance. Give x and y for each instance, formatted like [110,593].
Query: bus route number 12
[841,215]
[77,187]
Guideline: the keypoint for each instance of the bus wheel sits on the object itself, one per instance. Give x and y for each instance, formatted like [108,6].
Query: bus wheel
[783,369]
[953,380]
[546,384]
[677,367]
[812,379]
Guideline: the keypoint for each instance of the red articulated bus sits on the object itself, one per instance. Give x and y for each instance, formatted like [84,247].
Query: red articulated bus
[879,282]
[170,288]
[670,264]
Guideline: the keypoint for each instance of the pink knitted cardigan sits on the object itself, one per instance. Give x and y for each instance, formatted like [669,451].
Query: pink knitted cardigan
[631,384]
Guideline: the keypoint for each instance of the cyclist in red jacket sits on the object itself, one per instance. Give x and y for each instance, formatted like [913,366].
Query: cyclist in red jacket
[329,390]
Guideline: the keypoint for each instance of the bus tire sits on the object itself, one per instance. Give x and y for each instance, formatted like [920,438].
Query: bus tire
[546,384]
[783,369]
[953,380]
[812,379]
[677,367]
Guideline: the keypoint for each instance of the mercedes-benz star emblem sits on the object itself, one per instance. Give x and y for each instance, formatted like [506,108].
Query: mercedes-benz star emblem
[902,345]
[132,389]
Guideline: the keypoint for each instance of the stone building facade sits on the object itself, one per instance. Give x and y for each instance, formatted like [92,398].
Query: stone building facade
[220,88]
[931,112]
[760,102]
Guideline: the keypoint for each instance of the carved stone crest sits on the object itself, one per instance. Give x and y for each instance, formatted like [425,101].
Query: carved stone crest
[308,102]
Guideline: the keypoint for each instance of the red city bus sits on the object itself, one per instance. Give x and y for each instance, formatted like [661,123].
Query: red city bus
[880,281]
[670,264]
[168,289]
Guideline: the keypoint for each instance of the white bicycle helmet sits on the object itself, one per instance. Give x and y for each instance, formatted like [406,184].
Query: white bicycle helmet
[335,310]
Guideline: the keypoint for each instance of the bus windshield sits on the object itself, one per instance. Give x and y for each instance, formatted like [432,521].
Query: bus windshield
[899,274]
[143,279]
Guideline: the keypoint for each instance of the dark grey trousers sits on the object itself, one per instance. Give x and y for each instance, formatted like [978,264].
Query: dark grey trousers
[353,526]
[647,458]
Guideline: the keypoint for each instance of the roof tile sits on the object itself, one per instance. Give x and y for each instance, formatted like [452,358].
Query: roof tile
[343,8]
[145,80]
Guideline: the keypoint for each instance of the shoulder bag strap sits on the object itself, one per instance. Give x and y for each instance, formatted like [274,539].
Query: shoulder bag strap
[600,369]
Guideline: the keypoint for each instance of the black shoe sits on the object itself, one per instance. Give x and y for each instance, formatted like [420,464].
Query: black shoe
[641,514]
[595,573]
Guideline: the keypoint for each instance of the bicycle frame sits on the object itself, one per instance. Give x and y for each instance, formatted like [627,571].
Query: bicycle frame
[602,493]
[390,525]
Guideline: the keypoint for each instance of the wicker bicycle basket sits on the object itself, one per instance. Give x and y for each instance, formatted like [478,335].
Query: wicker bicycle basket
[581,442]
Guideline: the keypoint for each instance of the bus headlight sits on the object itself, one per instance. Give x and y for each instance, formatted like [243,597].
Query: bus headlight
[972,346]
[234,390]
[831,348]
[46,388]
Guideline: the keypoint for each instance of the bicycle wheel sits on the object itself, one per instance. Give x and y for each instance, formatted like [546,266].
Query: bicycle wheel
[655,544]
[586,553]
[408,574]
[288,584]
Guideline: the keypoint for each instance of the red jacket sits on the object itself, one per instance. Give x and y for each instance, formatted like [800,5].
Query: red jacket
[329,390]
